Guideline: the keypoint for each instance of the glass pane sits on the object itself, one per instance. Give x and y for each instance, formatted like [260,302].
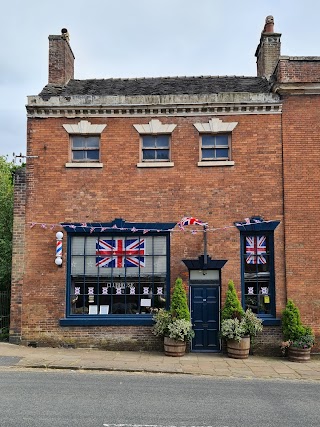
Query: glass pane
[251,301]
[222,140]
[149,154]
[222,153]
[90,245]
[90,266]
[78,155]
[78,245]
[162,141]
[160,247]
[92,142]
[78,142]
[264,304]
[208,154]
[208,140]
[77,265]
[155,264]
[93,155]
[78,302]
[159,300]
[256,248]
[162,154]
[160,264]
[148,141]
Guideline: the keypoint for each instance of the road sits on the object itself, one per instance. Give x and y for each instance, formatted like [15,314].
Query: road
[82,399]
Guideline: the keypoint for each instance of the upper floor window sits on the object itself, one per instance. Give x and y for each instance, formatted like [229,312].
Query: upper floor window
[215,142]
[215,147]
[155,144]
[85,148]
[155,148]
[84,144]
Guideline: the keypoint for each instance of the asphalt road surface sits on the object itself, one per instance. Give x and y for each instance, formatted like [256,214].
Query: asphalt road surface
[82,399]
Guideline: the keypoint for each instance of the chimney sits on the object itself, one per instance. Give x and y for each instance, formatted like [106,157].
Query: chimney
[61,59]
[268,50]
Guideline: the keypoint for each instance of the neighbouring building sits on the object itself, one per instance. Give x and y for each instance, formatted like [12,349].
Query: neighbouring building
[130,183]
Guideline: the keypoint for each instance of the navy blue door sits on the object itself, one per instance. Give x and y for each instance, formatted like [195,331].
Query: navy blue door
[205,304]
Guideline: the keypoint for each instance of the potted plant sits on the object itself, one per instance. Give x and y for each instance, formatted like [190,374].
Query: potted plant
[298,339]
[238,332]
[174,325]
[238,327]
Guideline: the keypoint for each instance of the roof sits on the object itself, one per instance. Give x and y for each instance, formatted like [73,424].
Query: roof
[158,86]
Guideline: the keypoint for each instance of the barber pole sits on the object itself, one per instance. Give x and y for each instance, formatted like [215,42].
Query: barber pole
[59,248]
[58,260]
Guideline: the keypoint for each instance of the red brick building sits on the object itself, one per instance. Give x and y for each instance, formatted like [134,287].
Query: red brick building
[115,165]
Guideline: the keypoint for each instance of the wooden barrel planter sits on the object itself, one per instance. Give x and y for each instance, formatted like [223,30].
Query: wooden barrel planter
[174,348]
[239,349]
[296,354]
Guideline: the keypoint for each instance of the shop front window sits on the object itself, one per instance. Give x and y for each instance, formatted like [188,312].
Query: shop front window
[117,274]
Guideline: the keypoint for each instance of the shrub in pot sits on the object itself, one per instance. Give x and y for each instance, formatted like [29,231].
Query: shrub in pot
[237,326]
[238,333]
[298,339]
[174,325]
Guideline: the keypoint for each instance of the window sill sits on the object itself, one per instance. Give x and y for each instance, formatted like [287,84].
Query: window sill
[84,165]
[217,163]
[107,320]
[155,165]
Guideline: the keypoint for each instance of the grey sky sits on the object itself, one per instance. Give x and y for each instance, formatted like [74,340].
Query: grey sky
[139,38]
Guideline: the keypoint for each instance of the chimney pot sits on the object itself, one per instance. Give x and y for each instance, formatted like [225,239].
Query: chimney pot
[269,25]
[65,34]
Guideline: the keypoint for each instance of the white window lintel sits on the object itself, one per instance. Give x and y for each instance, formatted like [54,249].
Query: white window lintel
[84,127]
[215,125]
[155,127]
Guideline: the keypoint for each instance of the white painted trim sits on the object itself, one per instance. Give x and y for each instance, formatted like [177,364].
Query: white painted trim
[84,165]
[84,127]
[155,127]
[154,110]
[217,163]
[155,165]
[215,125]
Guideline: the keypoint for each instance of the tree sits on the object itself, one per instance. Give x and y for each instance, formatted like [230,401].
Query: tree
[292,326]
[6,221]
[232,306]
[179,304]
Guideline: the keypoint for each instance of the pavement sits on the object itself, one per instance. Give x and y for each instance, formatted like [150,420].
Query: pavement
[210,364]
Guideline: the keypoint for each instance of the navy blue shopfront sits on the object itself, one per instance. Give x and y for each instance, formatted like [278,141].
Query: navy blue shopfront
[204,294]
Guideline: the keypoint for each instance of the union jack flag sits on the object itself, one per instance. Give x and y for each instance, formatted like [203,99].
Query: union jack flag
[190,221]
[256,248]
[120,252]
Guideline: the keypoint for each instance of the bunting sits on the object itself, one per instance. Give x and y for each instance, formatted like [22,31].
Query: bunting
[188,222]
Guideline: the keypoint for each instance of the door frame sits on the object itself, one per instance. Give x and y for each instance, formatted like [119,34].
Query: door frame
[201,270]
[208,284]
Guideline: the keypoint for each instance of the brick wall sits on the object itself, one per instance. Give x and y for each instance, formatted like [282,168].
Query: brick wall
[301,123]
[18,254]
[298,70]
[130,338]
[218,195]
